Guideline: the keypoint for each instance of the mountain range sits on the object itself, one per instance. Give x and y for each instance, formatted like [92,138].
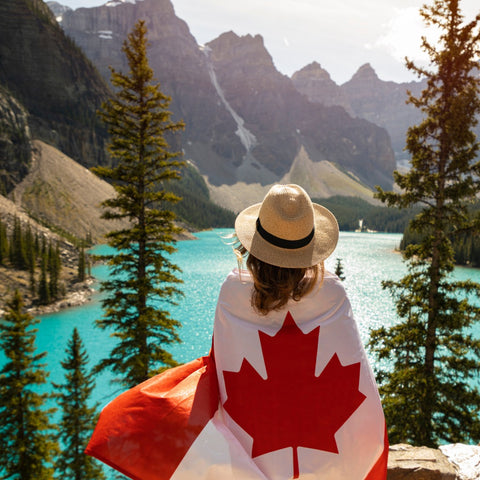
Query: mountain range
[247,125]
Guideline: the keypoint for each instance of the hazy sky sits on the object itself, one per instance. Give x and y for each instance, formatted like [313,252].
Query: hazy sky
[341,35]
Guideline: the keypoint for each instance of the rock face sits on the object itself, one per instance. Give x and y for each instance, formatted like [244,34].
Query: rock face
[57,9]
[282,120]
[316,83]
[365,96]
[64,194]
[383,103]
[179,65]
[52,79]
[245,122]
[15,147]
[465,458]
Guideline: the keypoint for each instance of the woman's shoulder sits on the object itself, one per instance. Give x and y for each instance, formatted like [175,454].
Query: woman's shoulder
[330,286]
[237,280]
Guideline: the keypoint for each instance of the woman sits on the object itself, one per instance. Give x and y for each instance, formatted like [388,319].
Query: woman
[286,392]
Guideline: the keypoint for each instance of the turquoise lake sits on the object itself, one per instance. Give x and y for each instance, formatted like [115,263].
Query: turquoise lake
[367,260]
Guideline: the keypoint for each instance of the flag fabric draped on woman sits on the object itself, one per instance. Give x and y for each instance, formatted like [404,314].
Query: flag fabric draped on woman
[287,394]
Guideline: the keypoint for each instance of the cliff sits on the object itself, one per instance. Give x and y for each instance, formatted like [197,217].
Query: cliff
[179,66]
[15,142]
[366,96]
[47,73]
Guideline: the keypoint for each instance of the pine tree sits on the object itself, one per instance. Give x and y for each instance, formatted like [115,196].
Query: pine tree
[78,419]
[339,269]
[428,394]
[54,265]
[31,257]
[4,244]
[27,442]
[44,297]
[143,277]
[18,255]
[81,264]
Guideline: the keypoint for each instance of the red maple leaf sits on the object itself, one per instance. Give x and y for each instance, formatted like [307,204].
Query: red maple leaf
[292,407]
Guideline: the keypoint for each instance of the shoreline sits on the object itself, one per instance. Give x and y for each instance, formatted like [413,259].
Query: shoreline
[80,294]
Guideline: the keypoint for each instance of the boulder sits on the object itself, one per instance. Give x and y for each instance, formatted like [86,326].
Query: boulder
[419,463]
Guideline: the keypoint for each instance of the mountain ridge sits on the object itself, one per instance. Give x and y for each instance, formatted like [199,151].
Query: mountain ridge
[221,113]
[47,73]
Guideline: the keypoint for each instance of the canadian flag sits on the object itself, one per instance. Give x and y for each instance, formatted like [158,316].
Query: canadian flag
[286,395]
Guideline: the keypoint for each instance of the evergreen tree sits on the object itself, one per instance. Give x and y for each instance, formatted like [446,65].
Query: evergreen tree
[27,442]
[44,297]
[4,244]
[78,419]
[54,267]
[429,395]
[31,257]
[81,264]
[143,277]
[18,255]
[339,269]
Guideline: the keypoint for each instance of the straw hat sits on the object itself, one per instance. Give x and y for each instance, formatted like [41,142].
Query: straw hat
[287,229]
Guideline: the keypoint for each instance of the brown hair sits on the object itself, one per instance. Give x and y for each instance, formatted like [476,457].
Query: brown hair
[274,286]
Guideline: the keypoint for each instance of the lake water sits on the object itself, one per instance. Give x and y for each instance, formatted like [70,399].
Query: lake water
[367,260]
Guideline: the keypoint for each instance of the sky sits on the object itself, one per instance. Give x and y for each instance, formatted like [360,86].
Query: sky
[341,35]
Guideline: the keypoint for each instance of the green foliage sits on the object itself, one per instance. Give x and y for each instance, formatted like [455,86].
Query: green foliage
[27,442]
[4,243]
[78,419]
[44,297]
[54,268]
[81,265]
[349,210]
[143,276]
[18,248]
[22,251]
[466,245]
[339,269]
[429,395]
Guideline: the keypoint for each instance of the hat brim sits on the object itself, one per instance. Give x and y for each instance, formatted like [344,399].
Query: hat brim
[321,246]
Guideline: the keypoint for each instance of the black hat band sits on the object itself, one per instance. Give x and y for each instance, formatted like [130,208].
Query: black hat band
[281,242]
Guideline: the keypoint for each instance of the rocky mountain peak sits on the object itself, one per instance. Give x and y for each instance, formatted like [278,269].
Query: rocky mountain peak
[316,83]
[246,51]
[365,73]
[312,71]
[58,9]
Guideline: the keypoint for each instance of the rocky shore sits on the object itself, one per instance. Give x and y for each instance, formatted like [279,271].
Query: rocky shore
[449,462]
[79,294]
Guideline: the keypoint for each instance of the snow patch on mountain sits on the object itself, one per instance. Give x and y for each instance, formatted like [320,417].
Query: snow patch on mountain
[115,3]
[247,138]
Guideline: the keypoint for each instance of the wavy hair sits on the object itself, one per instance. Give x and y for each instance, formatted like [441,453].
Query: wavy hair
[274,286]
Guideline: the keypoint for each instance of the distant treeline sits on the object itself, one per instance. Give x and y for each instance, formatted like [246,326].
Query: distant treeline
[466,247]
[350,210]
[25,250]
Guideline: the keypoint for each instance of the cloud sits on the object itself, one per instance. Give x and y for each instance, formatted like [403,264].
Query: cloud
[402,36]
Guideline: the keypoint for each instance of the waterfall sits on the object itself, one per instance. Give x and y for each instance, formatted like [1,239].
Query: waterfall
[246,137]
